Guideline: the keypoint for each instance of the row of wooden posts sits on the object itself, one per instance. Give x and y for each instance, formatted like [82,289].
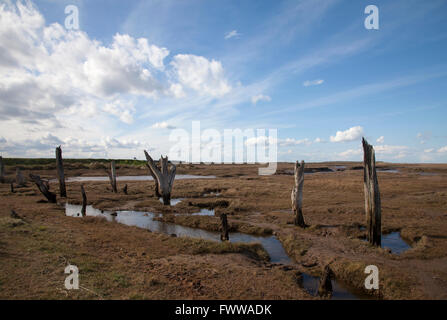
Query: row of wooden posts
[371,189]
[164,175]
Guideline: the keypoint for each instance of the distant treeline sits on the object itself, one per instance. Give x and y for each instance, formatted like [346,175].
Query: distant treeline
[49,161]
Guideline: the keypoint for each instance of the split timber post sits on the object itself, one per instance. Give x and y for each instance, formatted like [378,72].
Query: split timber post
[297,195]
[84,202]
[372,195]
[157,193]
[112,176]
[2,171]
[20,180]
[44,188]
[164,176]
[224,235]
[325,287]
[60,172]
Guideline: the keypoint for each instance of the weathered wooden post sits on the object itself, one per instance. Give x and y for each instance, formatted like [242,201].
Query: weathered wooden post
[157,193]
[60,172]
[44,188]
[372,195]
[163,176]
[125,189]
[297,195]
[325,287]
[224,235]
[112,176]
[2,171]
[20,180]
[84,202]
[12,187]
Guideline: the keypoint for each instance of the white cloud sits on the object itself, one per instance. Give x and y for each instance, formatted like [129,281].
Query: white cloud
[200,74]
[162,125]
[260,97]
[309,83]
[351,134]
[443,149]
[318,140]
[294,142]
[231,34]
[351,153]
[429,150]
[381,139]
[260,141]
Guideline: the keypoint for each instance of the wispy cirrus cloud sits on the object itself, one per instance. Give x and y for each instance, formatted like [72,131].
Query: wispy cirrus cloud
[309,83]
[232,34]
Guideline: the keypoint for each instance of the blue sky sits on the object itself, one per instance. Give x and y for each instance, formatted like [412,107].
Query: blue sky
[309,69]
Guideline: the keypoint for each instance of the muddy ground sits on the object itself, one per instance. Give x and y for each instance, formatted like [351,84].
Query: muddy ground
[122,262]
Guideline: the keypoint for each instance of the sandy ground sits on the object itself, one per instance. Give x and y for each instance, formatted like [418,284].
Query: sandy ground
[121,262]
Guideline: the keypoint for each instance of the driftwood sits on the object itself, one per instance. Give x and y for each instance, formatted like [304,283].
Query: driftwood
[20,180]
[372,195]
[44,187]
[224,235]
[163,176]
[297,195]
[125,189]
[112,176]
[60,172]
[325,287]
[2,170]
[84,202]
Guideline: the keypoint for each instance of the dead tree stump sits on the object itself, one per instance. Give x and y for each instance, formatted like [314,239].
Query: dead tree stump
[112,176]
[325,287]
[2,170]
[224,235]
[20,180]
[297,195]
[372,195]
[84,202]
[163,176]
[60,172]
[157,193]
[44,187]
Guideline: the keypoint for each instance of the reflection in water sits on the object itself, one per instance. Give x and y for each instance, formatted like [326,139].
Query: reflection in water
[174,201]
[270,243]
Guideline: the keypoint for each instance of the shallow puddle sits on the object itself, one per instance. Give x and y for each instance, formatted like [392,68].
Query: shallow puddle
[392,241]
[173,201]
[395,242]
[271,244]
[131,178]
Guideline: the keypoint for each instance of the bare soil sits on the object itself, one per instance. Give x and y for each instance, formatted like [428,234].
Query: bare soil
[121,262]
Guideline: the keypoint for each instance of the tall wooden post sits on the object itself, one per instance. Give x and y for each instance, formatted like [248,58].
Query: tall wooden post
[163,175]
[224,235]
[20,180]
[297,195]
[372,195]
[60,172]
[84,202]
[2,171]
[325,287]
[112,176]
